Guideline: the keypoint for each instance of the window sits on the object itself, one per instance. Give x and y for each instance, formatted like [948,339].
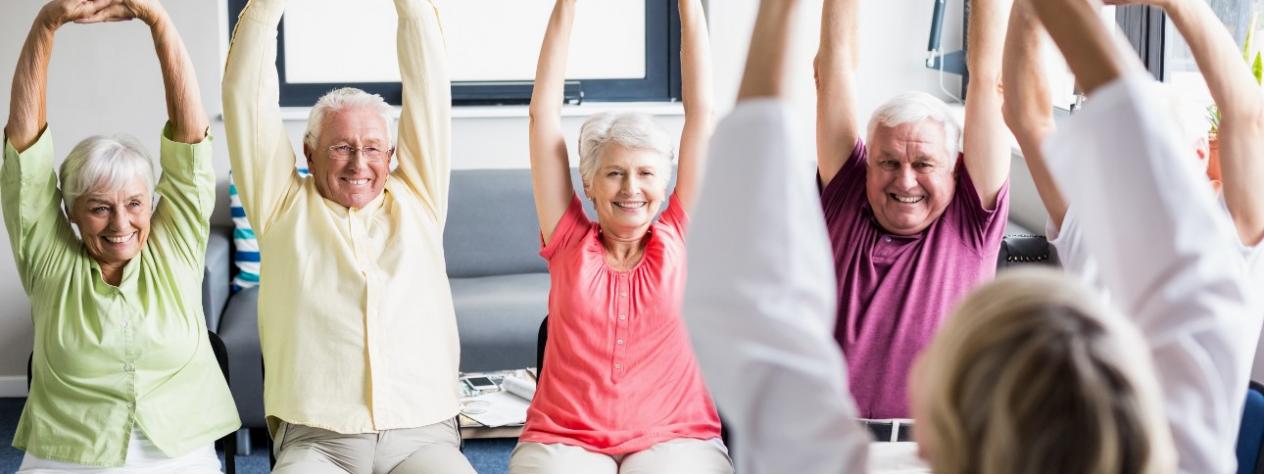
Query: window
[1179,68]
[621,51]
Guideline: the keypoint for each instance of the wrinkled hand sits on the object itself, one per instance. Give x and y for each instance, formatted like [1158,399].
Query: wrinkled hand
[60,12]
[148,11]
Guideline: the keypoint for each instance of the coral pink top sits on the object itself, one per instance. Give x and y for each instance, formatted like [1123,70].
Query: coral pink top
[620,371]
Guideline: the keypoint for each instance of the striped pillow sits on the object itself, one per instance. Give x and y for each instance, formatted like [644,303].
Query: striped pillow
[244,242]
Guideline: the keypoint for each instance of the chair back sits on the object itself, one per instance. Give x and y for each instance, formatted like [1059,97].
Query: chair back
[1251,433]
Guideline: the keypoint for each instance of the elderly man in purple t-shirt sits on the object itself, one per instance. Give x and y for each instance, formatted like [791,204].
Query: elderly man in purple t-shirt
[916,209]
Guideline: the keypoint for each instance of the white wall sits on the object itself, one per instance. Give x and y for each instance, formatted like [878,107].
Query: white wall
[105,79]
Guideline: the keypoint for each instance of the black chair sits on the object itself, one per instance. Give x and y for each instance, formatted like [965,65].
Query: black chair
[542,337]
[1250,445]
[1022,249]
[229,442]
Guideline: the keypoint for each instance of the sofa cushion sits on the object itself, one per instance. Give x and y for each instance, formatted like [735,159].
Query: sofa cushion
[491,227]
[498,317]
[215,275]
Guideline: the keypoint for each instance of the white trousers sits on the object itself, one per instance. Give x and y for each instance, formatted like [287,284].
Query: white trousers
[142,458]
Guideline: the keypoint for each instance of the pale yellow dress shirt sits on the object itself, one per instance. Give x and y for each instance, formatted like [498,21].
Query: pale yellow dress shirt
[355,311]
[112,359]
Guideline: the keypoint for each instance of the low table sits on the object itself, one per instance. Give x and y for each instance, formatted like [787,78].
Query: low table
[471,429]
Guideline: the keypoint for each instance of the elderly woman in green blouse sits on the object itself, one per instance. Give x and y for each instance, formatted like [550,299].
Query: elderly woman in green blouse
[124,376]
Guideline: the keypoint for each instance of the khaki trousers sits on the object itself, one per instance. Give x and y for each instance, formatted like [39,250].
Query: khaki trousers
[433,449]
[678,456]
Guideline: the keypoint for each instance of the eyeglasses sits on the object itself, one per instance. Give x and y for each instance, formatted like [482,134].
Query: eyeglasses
[371,153]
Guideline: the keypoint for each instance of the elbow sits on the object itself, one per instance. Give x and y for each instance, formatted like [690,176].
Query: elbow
[1027,125]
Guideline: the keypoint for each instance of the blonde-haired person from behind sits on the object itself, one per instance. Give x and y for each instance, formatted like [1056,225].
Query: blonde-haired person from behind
[1031,374]
[1034,373]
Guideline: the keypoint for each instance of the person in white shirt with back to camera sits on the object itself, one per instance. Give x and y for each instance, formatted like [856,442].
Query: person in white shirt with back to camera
[1029,113]
[1032,373]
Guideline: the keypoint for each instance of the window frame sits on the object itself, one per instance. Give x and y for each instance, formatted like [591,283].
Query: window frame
[1145,27]
[660,84]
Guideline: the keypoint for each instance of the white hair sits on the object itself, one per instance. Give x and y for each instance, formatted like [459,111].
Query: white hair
[634,131]
[914,107]
[105,164]
[341,99]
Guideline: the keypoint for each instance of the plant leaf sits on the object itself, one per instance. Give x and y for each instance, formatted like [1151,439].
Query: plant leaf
[1250,38]
[1257,68]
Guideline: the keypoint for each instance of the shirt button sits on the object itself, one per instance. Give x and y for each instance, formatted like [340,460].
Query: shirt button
[623,317]
[129,368]
[623,295]
[618,366]
[619,342]
[887,238]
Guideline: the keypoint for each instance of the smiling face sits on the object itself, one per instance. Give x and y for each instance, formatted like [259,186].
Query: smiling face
[628,189]
[114,225]
[910,180]
[352,181]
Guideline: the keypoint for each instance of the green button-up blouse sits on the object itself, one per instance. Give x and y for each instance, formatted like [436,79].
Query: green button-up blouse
[112,359]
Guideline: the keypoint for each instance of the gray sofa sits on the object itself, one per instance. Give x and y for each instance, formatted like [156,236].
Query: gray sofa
[499,284]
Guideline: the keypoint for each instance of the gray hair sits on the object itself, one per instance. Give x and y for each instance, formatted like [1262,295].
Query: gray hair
[914,107]
[634,131]
[105,164]
[340,99]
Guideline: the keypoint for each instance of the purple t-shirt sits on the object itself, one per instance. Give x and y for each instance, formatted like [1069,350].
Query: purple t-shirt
[894,290]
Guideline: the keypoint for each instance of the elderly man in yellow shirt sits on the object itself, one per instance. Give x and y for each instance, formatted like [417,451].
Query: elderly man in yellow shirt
[356,321]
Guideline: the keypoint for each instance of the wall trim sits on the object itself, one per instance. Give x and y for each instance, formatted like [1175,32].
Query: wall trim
[12,386]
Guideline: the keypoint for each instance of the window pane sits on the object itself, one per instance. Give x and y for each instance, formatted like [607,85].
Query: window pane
[488,40]
[1179,68]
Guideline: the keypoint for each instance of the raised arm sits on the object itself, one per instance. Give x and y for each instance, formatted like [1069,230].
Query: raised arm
[698,96]
[258,144]
[28,110]
[986,142]
[1184,286]
[179,79]
[1241,104]
[425,123]
[837,128]
[762,325]
[766,61]
[1028,108]
[550,166]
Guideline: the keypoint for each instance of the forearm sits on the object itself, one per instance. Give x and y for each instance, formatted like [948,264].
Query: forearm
[837,128]
[28,100]
[986,144]
[766,62]
[425,125]
[261,155]
[698,97]
[550,72]
[179,78]
[1239,100]
[1028,108]
[1090,49]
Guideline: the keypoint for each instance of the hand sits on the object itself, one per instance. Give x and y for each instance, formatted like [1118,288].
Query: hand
[59,12]
[148,11]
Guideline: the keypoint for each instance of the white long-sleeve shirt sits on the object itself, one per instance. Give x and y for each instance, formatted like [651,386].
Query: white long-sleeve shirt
[1166,256]
[759,300]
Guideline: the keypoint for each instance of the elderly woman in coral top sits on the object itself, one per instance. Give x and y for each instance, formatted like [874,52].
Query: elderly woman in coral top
[622,392]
